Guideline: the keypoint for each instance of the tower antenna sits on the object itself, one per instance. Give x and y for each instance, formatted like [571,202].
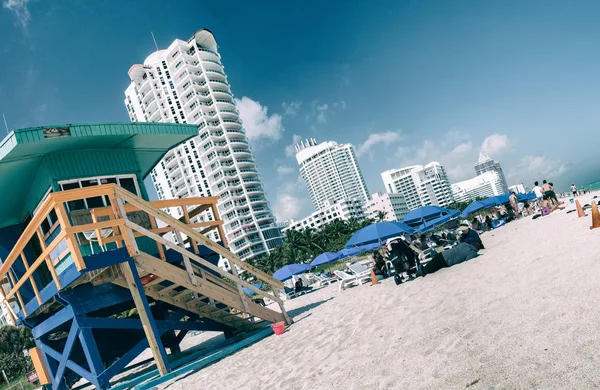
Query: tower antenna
[5,124]
[154,39]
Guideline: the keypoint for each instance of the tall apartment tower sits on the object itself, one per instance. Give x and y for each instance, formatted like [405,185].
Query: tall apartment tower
[421,185]
[486,164]
[331,172]
[186,83]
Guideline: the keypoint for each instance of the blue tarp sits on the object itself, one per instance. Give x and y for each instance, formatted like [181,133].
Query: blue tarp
[527,196]
[378,232]
[287,271]
[324,258]
[430,225]
[423,214]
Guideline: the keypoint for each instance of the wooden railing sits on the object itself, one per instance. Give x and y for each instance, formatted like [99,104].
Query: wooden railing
[123,205]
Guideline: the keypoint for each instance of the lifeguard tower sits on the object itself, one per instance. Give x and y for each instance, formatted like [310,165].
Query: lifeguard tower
[82,246]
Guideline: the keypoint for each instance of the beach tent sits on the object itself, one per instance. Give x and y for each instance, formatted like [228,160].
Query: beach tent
[424,214]
[324,258]
[476,206]
[430,225]
[378,232]
[525,197]
[287,271]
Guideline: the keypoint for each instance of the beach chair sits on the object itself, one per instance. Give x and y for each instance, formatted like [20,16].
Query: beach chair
[347,279]
[324,280]
[287,293]
[358,269]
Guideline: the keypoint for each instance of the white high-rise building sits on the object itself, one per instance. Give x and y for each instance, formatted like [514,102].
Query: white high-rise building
[393,205]
[331,172]
[486,164]
[343,210]
[518,189]
[421,185]
[482,186]
[186,83]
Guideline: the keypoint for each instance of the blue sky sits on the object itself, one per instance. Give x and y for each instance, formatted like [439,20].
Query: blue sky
[405,82]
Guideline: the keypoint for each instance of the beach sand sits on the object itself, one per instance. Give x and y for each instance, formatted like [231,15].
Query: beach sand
[524,314]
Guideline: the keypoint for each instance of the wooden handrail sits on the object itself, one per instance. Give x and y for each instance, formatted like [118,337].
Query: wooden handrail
[124,232]
[166,218]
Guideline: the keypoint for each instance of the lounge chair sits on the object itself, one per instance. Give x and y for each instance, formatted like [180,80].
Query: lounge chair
[287,293]
[347,279]
[324,280]
[358,269]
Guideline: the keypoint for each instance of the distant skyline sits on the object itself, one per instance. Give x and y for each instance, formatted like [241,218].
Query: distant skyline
[404,82]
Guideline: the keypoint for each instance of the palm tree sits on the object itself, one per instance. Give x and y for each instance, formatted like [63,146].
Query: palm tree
[381,216]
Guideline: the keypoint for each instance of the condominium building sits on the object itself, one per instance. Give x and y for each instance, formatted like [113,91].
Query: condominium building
[518,189]
[392,205]
[421,185]
[482,186]
[186,83]
[342,210]
[331,172]
[486,164]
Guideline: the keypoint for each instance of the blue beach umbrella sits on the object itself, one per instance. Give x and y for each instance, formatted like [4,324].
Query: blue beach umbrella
[348,252]
[476,206]
[324,258]
[378,232]
[528,196]
[250,292]
[287,271]
[430,225]
[423,214]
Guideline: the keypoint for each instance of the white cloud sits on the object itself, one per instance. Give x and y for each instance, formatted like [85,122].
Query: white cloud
[493,144]
[258,124]
[19,7]
[285,170]
[341,105]
[452,151]
[289,205]
[321,110]
[463,148]
[290,150]
[291,108]
[532,168]
[375,139]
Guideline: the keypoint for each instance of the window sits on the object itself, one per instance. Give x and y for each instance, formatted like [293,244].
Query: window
[128,182]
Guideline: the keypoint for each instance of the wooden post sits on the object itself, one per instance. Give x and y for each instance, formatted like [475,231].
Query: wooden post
[63,219]
[127,233]
[49,262]
[220,229]
[186,260]
[153,225]
[12,280]
[186,217]
[141,303]
[31,279]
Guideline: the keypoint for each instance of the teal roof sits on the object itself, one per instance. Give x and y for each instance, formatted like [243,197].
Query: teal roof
[23,151]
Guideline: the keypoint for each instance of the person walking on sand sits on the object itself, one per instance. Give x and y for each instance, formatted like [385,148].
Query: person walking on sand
[514,203]
[574,190]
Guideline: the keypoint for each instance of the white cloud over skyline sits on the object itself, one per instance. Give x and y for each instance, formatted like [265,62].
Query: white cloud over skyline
[258,123]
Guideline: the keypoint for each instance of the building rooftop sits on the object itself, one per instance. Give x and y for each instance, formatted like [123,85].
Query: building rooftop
[23,150]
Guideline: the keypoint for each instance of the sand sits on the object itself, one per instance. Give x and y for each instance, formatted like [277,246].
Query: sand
[524,314]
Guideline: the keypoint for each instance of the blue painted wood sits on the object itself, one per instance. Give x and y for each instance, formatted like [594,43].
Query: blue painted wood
[205,361]
[76,368]
[62,363]
[104,295]
[90,349]
[162,325]
[53,322]
[66,278]
[153,328]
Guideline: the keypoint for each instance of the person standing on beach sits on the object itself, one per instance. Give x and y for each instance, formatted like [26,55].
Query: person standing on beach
[537,190]
[574,190]
[514,203]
